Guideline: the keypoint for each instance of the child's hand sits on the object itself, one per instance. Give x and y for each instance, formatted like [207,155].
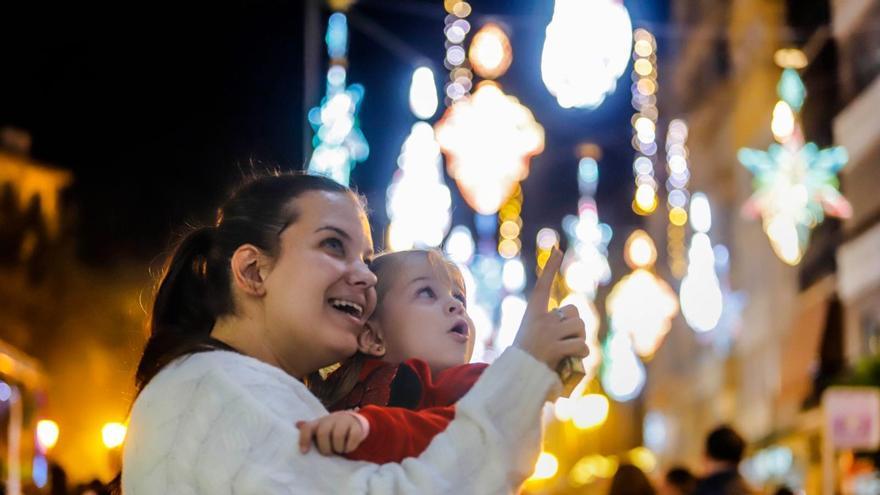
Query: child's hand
[337,433]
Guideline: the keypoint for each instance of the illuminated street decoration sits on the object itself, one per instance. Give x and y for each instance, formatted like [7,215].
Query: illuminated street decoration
[455,30]
[641,305]
[423,93]
[586,264]
[490,53]
[644,121]
[489,139]
[338,142]
[418,201]
[700,293]
[586,49]
[623,374]
[677,195]
[795,182]
[510,226]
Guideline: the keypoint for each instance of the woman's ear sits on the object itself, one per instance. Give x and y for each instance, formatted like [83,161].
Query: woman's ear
[370,341]
[248,267]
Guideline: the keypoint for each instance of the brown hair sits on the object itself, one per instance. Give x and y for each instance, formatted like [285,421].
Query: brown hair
[385,266]
[194,289]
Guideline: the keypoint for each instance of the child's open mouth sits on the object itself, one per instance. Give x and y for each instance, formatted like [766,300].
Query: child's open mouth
[460,331]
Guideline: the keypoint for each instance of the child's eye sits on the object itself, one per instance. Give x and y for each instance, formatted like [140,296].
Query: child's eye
[334,244]
[462,298]
[426,291]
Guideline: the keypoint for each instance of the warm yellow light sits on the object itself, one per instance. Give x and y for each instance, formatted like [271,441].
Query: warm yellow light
[490,52]
[113,434]
[590,411]
[644,459]
[508,248]
[639,250]
[783,122]
[449,5]
[646,199]
[47,434]
[643,48]
[790,58]
[461,9]
[678,216]
[591,467]
[546,467]
[646,86]
[643,67]
[509,229]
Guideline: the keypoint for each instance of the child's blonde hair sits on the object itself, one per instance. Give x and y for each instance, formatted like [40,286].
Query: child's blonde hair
[385,266]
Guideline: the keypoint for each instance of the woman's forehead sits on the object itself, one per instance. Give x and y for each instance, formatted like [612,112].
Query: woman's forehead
[319,209]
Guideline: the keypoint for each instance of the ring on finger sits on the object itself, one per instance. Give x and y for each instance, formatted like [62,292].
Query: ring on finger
[559,314]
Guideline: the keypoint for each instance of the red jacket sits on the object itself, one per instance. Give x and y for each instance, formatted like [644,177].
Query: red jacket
[405,406]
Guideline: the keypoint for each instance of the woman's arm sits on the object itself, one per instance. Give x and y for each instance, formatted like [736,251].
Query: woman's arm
[218,439]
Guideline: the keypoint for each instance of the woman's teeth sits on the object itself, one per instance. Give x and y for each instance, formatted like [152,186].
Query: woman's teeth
[349,307]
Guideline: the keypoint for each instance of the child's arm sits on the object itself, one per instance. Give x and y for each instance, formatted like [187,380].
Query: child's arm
[375,434]
[397,433]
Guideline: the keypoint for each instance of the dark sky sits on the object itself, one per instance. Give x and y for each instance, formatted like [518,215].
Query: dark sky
[158,110]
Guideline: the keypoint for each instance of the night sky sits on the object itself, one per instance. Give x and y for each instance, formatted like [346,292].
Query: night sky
[158,111]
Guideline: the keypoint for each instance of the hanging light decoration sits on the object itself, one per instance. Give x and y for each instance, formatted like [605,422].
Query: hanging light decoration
[678,196]
[456,29]
[338,142]
[644,121]
[489,139]
[586,264]
[641,305]
[700,293]
[586,49]
[795,182]
[623,374]
[418,201]
[490,53]
[423,93]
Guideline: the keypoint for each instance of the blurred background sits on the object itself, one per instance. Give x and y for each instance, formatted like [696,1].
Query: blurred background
[709,168]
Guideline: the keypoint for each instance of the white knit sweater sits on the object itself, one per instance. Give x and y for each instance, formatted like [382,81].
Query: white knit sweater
[223,423]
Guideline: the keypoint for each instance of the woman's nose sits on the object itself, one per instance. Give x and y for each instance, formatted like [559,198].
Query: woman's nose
[362,276]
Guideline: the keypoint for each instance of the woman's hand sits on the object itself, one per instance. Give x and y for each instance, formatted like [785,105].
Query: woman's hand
[337,433]
[550,336]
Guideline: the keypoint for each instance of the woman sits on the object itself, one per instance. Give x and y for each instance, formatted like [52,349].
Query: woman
[278,289]
[630,480]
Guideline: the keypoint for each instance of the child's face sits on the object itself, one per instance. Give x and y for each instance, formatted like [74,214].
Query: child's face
[423,315]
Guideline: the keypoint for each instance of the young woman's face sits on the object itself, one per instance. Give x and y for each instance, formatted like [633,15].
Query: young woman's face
[319,290]
[423,315]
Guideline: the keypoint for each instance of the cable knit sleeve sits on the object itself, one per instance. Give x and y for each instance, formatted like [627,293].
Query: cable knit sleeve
[210,427]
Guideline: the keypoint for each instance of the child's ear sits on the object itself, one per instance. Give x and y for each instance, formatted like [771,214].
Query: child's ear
[370,341]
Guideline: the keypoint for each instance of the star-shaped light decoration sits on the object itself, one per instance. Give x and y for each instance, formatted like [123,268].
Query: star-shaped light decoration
[795,182]
[489,139]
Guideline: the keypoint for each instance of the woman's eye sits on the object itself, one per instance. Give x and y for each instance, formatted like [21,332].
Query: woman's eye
[462,298]
[426,291]
[335,244]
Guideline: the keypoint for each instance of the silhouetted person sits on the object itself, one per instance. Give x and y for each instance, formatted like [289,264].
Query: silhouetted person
[57,480]
[630,480]
[724,451]
[678,481]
